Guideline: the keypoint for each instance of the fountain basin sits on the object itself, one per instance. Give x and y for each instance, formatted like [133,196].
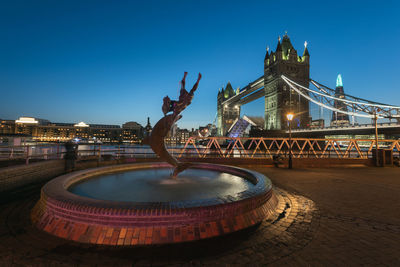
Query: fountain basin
[92,219]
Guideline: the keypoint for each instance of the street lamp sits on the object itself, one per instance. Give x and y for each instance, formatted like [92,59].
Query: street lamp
[376,136]
[289,117]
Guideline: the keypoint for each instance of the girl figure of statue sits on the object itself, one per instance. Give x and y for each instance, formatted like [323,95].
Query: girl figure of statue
[163,126]
[185,98]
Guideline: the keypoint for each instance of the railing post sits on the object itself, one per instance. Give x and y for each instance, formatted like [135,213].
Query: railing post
[27,155]
[99,152]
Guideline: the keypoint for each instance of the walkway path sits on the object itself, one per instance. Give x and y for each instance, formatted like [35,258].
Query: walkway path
[360,218]
[346,216]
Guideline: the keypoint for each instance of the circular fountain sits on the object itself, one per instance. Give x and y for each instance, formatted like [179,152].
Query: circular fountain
[244,201]
[154,203]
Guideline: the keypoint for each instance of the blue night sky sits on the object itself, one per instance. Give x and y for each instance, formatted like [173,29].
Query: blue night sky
[113,61]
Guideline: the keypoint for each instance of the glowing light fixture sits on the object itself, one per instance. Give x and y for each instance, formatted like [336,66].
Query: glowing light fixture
[339,82]
[289,116]
[81,124]
[27,120]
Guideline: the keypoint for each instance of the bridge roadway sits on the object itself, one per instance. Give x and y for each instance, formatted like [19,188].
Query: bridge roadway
[389,129]
[248,93]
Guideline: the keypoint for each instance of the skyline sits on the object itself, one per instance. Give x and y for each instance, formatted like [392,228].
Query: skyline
[115,65]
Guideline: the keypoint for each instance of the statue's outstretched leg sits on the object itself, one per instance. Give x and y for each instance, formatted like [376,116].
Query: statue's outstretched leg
[183,80]
[195,85]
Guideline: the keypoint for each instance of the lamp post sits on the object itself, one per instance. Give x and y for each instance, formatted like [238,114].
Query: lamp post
[376,137]
[289,117]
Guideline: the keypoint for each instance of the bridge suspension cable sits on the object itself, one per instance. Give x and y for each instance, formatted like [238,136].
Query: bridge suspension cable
[325,97]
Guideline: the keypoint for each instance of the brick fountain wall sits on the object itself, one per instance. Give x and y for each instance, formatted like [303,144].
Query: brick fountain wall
[72,217]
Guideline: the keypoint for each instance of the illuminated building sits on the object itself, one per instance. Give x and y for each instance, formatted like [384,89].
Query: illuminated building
[177,136]
[226,114]
[46,131]
[339,119]
[279,99]
[132,131]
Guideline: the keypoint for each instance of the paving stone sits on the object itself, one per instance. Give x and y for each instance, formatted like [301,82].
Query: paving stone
[337,224]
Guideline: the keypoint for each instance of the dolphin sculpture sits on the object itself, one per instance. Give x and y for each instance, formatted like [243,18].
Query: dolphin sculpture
[163,126]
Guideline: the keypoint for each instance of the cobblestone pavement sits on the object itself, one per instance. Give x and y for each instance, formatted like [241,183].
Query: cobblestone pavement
[326,217]
[359,210]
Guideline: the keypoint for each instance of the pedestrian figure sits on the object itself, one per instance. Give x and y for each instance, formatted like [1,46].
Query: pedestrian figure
[71,155]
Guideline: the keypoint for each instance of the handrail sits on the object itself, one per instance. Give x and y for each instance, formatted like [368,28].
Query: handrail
[221,147]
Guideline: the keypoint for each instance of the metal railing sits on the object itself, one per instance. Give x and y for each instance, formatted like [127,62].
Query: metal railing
[32,153]
[269,147]
[213,147]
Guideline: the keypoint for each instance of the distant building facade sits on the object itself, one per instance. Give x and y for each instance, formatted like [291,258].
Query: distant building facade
[132,131]
[177,136]
[46,131]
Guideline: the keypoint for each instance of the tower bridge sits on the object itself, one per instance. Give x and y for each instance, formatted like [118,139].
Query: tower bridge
[285,85]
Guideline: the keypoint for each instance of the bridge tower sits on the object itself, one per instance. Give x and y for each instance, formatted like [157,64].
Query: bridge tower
[279,99]
[226,113]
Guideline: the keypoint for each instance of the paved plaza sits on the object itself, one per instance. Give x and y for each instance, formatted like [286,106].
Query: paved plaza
[326,217]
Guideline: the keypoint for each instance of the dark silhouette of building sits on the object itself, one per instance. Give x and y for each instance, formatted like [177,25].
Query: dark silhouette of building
[148,128]
[339,119]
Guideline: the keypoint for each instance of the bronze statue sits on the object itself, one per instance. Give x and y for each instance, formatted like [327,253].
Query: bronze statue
[163,126]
